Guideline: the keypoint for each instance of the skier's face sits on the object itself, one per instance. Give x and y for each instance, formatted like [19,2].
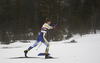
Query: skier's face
[49,22]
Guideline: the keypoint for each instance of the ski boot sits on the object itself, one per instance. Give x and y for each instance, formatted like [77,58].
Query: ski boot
[47,56]
[26,53]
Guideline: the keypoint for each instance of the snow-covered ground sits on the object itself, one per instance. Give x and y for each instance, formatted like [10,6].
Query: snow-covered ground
[86,50]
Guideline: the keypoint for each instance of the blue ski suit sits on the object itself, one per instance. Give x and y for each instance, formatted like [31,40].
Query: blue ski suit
[41,37]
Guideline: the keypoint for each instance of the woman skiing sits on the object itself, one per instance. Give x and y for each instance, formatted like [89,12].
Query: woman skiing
[41,37]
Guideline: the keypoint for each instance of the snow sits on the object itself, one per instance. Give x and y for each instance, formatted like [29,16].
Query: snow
[86,50]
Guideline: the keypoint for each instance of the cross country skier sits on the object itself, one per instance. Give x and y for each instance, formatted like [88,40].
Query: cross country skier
[41,37]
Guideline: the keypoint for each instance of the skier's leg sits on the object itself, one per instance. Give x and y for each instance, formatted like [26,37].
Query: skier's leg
[46,43]
[47,47]
[34,45]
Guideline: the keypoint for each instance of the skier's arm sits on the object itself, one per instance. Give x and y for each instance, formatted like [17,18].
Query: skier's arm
[51,27]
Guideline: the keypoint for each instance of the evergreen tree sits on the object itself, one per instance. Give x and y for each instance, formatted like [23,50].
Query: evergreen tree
[22,19]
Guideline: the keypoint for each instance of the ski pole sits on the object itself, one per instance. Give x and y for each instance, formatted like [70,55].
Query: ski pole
[39,46]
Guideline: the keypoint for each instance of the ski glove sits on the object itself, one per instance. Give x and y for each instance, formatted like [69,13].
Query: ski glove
[54,27]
